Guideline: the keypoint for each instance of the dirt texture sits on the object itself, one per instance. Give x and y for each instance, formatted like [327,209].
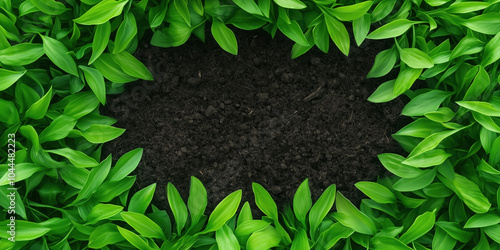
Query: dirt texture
[255,117]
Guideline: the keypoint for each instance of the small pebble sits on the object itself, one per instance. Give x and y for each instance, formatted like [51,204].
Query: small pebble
[210,110]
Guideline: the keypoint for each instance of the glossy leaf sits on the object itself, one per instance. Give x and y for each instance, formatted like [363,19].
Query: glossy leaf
[111,70]
[415,58]
[8,77]
[100,41]
[302,202]
[491,51]
[351,12]
[125,33]
[58,129]
[102,133]
[488,23]
[292,31]
[249,6]
[21,54]
[471,195]
[8,112]
[482,220]
[384,63]
[197,201]
[351,217]
[131,66]
[264,239]
[59,55]
[360,28]
[125,165]
[392,29]
[376,192]
[224,37]
[101,12]
[290,4]
[338,33]
[422,224]
[393,163]
[226,239]
[467,46]
[134,239]
[405,80]
[427,159]
[424,103]
[484,108]
[78,158]
[143,225]
[103,235]
[224,211]
[95,80]
[177,206]
[141,199]
[321,208]
[300,242]
[264,201]
[50,7]
[103,211]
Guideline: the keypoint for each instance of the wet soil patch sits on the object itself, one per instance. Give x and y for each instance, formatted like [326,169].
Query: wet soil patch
[255,117]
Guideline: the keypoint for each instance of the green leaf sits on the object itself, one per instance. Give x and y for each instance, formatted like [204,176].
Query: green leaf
[197,201]
[95,80]
[290,4]
[224,211]
[39,109]
[392,29]
[487,122]
[360,28]
[425,103]
[405,80]
[351,217]
[143,225]
[482,220]
[383,242]
[102,12]
[21,54]
[8,77]
[321,37]
[480,83]
[245,21]
[102,133]
[300,242]
[125,165]
[249,6]
[264,239]
[125,33]
[224,37]
[100,41]
[376,192]
[455,230]
[131,66]
[226,239]
[250,226]
[471,195]
[437,190]
[23,171]
[416,58]
[443,114]
[466,7]
[467,46]
[338,33]
[302,202]
[59,55]
[491,51]
[488,23]
[25,230]
[182,8]
[393,163]
[484,108]
[430,158]
[351,12]
[141,199]
[49,7]
[384,63]
[264,201]
[384,93]
[103,235]
[382,9]
[422,224]
[177,206]
[111,70]
[321,208]
[96,178]
[8,112]
[58,129]
[134,239]
[493,232]
[103,211]
[77,158]
[293,31]
[82,105]
[416,183]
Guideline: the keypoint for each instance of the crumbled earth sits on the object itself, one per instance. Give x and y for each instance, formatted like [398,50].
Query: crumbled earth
[255,117]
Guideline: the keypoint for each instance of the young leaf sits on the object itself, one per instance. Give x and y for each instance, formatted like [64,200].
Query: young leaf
[416,183]
[484,108]
[264,239]
[224,211]
[302,202]
[350,216]
[300,242]
[382,9]
[111,70]
[416,58]
[133,239]
[471,195]
[100,42]
[293,31]
[102,211]
[351,12]
[8,112]
[130,65]
[77,158]
[102,12]
[360,28]
[384,242]
[455,230]
[177,206]
[39,109]
[95,80]
[290,4]
[425,103]
[102,133]
[467,46]
[49,7]
[493,232]
[197,201]
[405,80]
[321,37]
[125,33]
[141,200]
[143,225]
[338,33]
[392,29]
[250,226]
[58,129]
[103,235]
[23,171]
[226,239]
[376,192]
[491,51]
[249,6]
[427,159]
[264,201]
[321,208]
[8,77]
[384,63]
[422,224]
[488,23]
[482,220]
[21,54]
[125,165]
[393,163]
[224,37]
[59,55]
[182,8]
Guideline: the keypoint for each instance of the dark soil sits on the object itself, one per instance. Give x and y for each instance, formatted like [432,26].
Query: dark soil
[256,117]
